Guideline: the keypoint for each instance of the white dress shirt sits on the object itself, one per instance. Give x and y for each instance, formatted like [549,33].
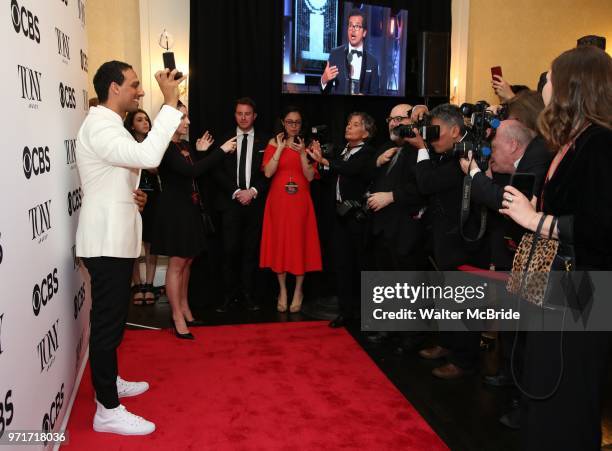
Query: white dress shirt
[356,62]
[249,158]
[109,162]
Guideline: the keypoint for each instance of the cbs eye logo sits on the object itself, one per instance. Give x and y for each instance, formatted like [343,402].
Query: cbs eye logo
[67,96]
[36,160]
[25,21]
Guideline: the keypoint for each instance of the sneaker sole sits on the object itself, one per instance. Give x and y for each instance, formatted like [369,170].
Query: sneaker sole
[112,431]
[129,395]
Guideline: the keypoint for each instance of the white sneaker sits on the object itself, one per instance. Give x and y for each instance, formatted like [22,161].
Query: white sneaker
[126,389]
[120,421]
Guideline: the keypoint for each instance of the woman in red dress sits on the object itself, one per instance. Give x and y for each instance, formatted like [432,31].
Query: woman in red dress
[290,240]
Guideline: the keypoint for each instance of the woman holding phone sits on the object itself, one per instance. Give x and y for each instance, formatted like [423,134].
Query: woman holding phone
[290,240]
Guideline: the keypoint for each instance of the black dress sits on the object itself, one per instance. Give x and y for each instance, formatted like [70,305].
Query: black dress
[150,185]
[579,194]
[178,229]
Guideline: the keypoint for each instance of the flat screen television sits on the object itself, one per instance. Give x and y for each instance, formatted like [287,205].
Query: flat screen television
[363,48]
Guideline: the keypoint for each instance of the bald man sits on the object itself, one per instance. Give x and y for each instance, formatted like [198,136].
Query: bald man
[395,202]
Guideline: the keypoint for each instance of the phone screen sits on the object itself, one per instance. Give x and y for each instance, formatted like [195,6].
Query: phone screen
[524,182]
[496,71]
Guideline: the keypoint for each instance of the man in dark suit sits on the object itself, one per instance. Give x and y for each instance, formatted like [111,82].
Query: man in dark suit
[350,69]
[395,232]
[240,196]
[439,176]
[515,150]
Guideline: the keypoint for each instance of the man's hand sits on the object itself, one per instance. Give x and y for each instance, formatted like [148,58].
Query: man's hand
[386,156]
[204,143]
[418,111]
[329,74]
[502,88]
[467,164]
[245,196]
[229,146]
[169,86]
[378,201]
[416,142]
[140,198]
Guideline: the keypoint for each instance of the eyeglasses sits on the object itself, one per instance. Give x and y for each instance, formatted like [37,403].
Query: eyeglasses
[355,26]
[397,119]
[293,123]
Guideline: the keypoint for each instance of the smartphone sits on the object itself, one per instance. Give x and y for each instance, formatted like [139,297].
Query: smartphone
[170,64]
[524,182]
[496,71]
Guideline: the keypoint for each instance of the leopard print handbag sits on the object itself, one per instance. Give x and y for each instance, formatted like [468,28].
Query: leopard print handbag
[532,265]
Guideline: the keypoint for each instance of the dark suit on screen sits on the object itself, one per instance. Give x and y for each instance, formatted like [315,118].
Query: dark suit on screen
[368,79]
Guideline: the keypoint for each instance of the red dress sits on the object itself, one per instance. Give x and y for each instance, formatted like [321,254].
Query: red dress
[290,239]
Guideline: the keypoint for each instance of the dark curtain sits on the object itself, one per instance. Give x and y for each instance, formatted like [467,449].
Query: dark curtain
[236,50]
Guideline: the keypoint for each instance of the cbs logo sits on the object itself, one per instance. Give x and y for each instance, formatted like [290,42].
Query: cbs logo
[74,200]
[67,96]
[24,20]
[36,160]
[44,292]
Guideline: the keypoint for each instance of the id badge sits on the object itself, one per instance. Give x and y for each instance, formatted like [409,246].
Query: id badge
[291,187]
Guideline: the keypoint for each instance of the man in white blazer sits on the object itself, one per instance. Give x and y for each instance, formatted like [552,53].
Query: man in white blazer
[109,233]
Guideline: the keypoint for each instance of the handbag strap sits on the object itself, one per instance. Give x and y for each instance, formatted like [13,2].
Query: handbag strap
[553,224]
[534,242]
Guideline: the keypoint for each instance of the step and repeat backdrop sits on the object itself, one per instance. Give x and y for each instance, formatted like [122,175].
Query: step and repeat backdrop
[44,309]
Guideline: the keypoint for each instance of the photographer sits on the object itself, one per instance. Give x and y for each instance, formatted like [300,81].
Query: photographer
[348,170]
[395,202]
[439,176]
[516,149]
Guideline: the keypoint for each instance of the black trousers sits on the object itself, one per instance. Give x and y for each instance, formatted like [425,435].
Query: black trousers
[571,417]
[110,299]
[241,240]
[349,260]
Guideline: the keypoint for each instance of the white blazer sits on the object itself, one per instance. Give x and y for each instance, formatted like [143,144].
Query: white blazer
[109,162]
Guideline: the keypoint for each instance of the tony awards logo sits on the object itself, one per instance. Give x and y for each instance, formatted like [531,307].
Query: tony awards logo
[317,30]
[166,42]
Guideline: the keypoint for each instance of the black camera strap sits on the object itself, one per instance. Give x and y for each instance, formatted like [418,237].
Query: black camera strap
[465,211]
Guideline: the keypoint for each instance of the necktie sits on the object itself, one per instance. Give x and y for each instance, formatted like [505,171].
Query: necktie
[242,163]
[357,52]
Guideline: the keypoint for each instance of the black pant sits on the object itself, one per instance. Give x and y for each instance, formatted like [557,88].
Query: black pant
[571,417]
[241,240]
[349,255]
[110,299]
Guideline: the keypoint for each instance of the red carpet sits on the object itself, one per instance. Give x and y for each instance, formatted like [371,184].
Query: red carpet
[262,386]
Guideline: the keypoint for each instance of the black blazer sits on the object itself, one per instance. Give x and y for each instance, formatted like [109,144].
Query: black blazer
[536,160]
[580,194]
[397,220]
[489,192]
[441,179]
[368,79]
[352,172]
[224,177]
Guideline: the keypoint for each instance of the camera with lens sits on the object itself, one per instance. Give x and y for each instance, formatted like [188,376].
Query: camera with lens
[426,130]
[359,210]
[481,130]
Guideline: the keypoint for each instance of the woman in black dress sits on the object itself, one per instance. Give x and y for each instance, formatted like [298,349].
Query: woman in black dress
[179,230]
[565,373]
[138,124]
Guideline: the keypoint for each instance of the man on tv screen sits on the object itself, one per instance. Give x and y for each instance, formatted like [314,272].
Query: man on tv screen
[350,69]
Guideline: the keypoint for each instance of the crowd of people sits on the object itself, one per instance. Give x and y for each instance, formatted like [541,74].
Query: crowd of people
[397,209]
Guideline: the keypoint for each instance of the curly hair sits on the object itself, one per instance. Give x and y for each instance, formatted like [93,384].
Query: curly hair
[582,92]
